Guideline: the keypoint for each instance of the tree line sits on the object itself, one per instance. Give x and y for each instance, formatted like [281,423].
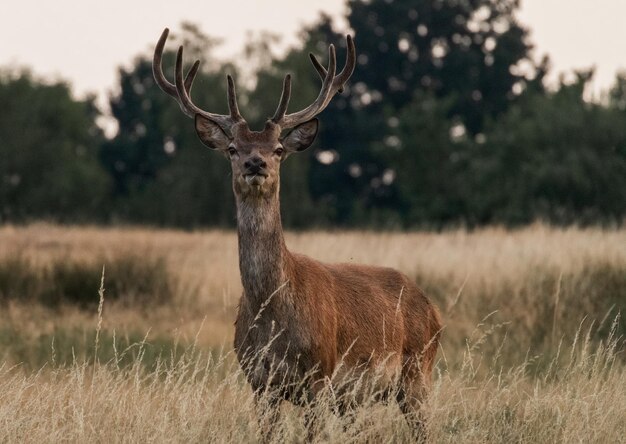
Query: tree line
[446,121]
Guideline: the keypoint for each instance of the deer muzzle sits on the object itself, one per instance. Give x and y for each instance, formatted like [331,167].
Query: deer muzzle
[255,179]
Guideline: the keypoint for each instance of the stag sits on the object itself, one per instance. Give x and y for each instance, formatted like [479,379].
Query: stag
[303,324]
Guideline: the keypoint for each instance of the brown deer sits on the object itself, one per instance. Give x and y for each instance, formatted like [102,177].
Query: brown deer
[303,324]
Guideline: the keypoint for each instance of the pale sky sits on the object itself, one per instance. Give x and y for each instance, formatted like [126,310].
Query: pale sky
[85,41]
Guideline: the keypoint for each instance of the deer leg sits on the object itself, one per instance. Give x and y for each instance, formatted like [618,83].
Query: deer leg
[410,397]
[268,413]
[311,423]
[411,408]
[312,420]
[314,423]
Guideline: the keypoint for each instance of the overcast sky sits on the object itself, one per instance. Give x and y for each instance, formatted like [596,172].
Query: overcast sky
[85,41]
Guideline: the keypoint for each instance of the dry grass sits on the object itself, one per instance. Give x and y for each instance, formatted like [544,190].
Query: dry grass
[528,354]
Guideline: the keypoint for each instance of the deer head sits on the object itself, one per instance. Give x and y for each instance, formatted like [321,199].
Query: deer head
[255,156]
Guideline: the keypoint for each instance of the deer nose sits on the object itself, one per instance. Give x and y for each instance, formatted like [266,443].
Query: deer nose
[255,164]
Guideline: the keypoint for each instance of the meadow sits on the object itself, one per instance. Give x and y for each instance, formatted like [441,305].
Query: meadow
[532,351]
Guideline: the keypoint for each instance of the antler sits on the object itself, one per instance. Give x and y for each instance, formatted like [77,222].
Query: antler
[182,88]
[331,85]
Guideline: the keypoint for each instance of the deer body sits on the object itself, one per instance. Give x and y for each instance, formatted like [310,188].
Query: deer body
[320,315]
[302,324]
[324,315]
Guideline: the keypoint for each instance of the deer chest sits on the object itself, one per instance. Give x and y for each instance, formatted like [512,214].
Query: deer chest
[274,347]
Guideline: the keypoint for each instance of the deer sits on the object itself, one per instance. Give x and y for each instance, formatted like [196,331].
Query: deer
[302,324]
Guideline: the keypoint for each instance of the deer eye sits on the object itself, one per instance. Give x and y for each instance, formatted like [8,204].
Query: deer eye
[279,151]
[232,151]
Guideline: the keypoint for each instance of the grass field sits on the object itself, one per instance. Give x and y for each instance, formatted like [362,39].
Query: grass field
[533,347]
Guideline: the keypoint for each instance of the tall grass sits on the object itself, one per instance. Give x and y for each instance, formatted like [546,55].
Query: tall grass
[533,347]
[200,397]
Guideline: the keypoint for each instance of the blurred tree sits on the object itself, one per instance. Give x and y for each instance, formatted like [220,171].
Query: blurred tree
[48,151]
[163,174]
[468,60]
[445,121]
[261,99]
[474,55]
[425,150]
[617,94]
[551,157]
[474,51]
[337,170]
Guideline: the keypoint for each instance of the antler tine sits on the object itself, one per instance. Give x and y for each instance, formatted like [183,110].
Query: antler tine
[157,71]
[291,120]
[181,89]
[284,100]
[233,108]
[191,75]
[331,85]
[318,66]
[347,70]
[157,68]
[164,84]
[184,100]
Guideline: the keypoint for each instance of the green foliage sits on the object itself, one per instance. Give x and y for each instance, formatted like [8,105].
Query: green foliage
[48,152]
[162,173]
[460,53]
[65,347]
[424,157]
[131,279]
[554,157]
[438,126]
[447,47]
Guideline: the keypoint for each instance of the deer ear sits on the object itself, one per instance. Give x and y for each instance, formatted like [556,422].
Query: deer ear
[211,134]
[302,136]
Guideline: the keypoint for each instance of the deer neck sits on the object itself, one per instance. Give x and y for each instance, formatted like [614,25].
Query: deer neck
[262,250]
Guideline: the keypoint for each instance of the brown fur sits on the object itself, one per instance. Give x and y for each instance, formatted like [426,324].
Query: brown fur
[302,323]
[321,320]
